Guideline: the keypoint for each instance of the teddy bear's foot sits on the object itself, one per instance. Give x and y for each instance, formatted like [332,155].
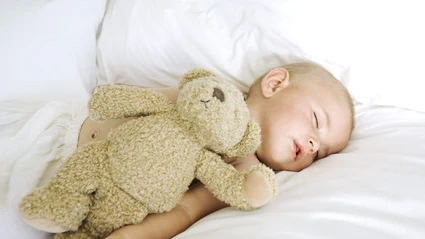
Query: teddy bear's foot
[44,224]
[81,233]
[260,186]
[54,210]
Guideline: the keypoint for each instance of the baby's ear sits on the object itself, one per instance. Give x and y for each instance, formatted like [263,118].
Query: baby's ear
[249,143]
[193,75]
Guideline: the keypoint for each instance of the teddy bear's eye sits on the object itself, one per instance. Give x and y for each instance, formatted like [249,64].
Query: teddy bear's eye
[218,94]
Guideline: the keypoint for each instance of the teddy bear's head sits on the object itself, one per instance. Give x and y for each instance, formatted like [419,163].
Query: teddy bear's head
[216,111]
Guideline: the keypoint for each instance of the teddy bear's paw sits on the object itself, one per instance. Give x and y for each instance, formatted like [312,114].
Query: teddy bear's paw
[260,186]
[53,210]
[45,225]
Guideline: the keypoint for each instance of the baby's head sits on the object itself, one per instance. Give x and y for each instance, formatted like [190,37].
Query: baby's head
[304,113]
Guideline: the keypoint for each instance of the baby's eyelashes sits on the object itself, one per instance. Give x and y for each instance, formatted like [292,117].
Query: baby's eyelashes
[316,120]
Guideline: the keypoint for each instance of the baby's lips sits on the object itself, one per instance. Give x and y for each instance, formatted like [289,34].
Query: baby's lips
[294,151]
[298,151]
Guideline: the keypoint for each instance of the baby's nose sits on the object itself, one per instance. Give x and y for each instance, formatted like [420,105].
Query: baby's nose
[314,145]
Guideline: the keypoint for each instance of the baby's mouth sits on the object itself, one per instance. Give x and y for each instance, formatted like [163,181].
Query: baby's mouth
[298,151]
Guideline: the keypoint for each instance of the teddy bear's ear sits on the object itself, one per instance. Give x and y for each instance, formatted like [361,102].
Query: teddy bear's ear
[249,143]
[193,75]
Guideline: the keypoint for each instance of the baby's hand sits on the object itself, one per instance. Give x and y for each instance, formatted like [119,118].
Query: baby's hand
[260,185]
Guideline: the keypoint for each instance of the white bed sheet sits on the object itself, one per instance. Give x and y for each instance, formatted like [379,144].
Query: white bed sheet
[373,189]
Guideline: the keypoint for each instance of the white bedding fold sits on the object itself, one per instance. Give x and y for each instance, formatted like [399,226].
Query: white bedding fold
[33,140]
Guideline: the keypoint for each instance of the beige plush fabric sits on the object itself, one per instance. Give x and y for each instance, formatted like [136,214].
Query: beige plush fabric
[145,165]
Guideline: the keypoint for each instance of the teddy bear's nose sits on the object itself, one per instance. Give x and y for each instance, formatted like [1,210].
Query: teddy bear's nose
[218,94]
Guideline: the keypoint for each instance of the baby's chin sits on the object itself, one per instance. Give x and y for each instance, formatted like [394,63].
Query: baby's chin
[294,166]
[277,164]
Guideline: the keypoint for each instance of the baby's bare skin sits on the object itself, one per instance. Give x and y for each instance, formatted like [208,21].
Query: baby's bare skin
[92,131]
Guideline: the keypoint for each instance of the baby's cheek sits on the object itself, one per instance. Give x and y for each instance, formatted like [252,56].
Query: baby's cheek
[266,146]
[264,155]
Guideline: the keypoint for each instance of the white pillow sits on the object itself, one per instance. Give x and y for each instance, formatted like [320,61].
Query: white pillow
[48,49]
[375,51]
[388,65]
[152,43]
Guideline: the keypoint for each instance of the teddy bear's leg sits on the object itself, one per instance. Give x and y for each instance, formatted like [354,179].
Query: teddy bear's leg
[113,209]
[64,203]
[51,212]
[81,233]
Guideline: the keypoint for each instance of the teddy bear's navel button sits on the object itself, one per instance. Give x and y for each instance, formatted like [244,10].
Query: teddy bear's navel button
[94,134]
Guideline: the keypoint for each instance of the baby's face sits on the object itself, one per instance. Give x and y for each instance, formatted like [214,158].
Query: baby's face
[305,121]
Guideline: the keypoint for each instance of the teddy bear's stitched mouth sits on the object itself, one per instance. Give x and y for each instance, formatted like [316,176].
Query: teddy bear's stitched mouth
[206,103]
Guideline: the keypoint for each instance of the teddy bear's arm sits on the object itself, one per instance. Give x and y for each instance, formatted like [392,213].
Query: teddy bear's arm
[230,185]
[249,143]
[119,101]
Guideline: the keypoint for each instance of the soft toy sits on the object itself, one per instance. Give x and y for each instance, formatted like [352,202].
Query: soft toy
[146,164]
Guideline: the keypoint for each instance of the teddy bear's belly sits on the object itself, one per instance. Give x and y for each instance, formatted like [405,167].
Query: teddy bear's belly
[155,163]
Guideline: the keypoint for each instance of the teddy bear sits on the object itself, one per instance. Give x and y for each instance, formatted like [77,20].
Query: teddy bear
[146,164]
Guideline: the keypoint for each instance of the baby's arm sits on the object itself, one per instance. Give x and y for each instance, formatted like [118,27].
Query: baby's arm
[197,203]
